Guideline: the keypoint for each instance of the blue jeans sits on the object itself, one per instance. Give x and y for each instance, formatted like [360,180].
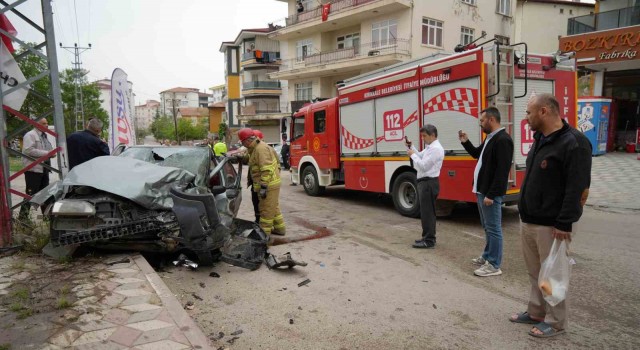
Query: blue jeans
[491,219]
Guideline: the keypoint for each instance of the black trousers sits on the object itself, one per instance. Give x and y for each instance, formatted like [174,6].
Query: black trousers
[428,190]
[35,182]
[255,200]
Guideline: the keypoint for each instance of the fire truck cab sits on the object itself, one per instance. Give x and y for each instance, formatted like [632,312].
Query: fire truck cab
[357,138]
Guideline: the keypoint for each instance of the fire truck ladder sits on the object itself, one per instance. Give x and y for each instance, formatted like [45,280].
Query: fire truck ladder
[501,80]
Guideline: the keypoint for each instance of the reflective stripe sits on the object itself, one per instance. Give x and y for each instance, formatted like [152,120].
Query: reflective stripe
[266,221]
[279,226]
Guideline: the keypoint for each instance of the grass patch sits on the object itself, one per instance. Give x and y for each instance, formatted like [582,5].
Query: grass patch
[15,164]
[18,265]
[5,346]
[62,303]
[21,294]
[24,313]
[65,260]
[15,307]
[65,289]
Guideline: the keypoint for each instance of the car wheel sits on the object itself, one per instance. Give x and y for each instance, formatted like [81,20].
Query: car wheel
[405,195]
[310,182]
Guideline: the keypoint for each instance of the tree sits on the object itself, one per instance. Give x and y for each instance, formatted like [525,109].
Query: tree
[162,128]
[90,100]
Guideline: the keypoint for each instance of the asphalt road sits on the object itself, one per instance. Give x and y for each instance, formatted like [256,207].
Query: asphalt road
[370,289]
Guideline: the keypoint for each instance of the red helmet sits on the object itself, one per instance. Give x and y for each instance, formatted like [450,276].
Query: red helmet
[244,134]
[258,134]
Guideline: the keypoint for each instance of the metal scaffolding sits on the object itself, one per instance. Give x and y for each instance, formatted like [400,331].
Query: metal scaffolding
[52,99]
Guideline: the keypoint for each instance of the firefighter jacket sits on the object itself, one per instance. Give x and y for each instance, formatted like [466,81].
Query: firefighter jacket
[264,167]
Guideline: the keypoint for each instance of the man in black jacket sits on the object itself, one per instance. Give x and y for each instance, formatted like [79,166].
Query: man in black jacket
[552,196]
[86,145]
[490,180]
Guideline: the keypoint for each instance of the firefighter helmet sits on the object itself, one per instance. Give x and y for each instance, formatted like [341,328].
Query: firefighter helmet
[258,134]
[245,133]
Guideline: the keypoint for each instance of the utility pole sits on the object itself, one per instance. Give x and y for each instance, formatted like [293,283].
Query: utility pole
[77,77]
[175,117]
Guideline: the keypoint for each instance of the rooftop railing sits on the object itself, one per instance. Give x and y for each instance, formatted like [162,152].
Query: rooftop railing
[624,17]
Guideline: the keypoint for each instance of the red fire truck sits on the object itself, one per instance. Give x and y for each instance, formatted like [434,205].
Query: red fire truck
[357,138]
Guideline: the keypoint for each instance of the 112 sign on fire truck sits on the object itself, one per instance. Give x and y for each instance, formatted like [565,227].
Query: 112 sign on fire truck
[357,138]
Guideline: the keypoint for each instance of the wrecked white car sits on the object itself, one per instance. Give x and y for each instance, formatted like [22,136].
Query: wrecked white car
[155,199]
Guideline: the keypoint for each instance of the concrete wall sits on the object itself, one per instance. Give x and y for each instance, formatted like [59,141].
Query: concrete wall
[531,17]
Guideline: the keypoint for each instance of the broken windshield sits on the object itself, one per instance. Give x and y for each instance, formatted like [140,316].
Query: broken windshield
[192,159]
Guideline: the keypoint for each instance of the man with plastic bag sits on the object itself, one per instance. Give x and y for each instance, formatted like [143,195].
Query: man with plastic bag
[552,196]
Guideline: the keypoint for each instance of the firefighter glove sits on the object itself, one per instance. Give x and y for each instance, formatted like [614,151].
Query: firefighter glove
[263,191]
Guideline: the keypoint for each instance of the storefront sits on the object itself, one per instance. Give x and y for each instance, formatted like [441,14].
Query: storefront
[609,66]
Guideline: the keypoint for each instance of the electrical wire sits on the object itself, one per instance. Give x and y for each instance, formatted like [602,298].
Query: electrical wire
[75,9]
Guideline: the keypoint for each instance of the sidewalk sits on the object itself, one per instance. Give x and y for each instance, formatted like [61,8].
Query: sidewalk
[118,302]
[615,181]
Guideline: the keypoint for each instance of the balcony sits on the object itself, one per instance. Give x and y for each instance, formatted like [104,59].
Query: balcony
[625,17]
[263,112]
[261,88]
[343,13]
[363,57]
[269,59]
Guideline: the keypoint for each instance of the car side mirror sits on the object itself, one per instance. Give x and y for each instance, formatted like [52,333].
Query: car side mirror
[233,193]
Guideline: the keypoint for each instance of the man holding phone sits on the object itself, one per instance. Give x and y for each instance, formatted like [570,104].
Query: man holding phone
[428,164]
[490,180]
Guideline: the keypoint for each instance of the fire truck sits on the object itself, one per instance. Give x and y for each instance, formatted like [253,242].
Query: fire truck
[357,138]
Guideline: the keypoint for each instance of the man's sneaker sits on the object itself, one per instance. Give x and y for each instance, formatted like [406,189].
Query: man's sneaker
[487,270]
[479,261]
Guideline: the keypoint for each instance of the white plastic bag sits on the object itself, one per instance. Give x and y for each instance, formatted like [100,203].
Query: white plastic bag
[555,273]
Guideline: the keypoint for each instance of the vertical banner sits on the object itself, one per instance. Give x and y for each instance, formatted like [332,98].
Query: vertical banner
[121,123]
[10,73]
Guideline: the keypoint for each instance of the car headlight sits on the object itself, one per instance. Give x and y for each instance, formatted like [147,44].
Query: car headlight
[70,207]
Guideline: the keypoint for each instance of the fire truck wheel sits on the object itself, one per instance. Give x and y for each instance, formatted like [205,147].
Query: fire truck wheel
[405,195]
[310,182]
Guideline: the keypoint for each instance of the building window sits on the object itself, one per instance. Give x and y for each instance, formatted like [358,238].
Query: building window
[502,40]
[504,7]
[432,32]
[384,33]
[469,2]
[303,91]
[303,49]
[561,11]
[466,35]
[319,121]
[349,41]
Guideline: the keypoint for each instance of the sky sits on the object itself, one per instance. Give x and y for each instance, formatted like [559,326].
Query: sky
[160,44]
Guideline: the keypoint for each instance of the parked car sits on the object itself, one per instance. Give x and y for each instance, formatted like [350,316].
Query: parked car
[278,148]
[151,198]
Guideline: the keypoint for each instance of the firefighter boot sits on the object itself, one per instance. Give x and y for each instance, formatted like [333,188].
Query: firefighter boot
[278,224]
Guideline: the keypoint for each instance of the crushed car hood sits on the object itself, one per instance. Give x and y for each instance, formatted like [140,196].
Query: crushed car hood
[141,182]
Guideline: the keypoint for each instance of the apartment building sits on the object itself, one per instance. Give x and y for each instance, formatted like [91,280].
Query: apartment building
[146,113]
[218,93]
[322,45]
[539,23]
[183,97]
[608,57]
[253,98]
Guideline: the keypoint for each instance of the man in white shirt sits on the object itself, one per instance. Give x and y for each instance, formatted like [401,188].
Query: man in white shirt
[428,164]
[36,145]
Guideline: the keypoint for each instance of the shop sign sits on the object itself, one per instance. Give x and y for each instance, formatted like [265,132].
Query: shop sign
[604,46]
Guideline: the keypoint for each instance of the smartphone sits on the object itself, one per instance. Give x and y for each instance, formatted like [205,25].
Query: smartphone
[407,142]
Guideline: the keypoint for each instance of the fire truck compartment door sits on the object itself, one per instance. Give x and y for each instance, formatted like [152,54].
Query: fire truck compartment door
[396,117]
[451,107]
[523,135]
[357,128]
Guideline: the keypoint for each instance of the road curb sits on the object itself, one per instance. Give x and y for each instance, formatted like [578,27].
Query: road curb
[190,329]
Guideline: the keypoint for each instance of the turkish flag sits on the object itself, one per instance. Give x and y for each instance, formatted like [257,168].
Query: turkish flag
[7,27]
[326,8]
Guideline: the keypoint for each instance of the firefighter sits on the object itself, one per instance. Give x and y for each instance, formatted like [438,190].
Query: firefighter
[264,170]
[219,148]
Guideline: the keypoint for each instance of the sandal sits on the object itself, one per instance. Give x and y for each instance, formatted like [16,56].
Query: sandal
[547,331]
[524,317]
